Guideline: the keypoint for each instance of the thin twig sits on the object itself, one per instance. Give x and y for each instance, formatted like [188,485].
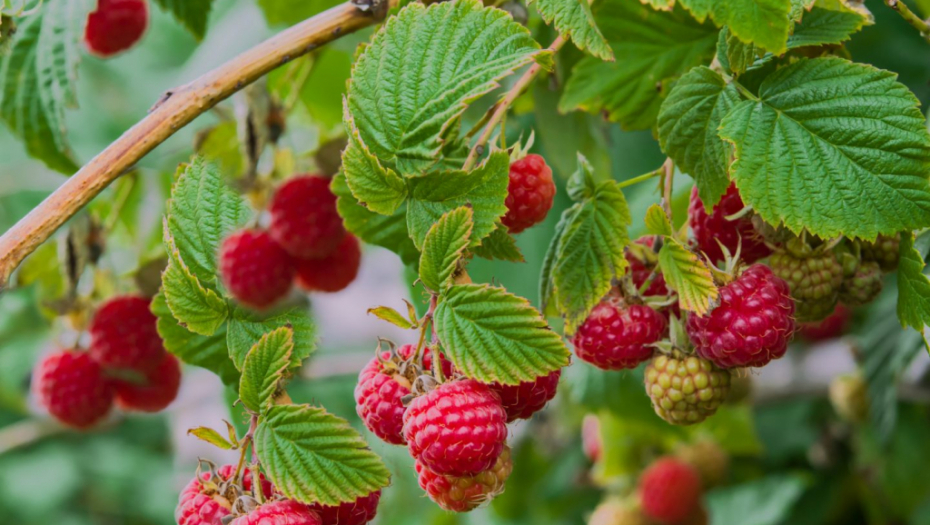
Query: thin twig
[500,109]
[669,169]
[643,177]
[175,110]
[911,18]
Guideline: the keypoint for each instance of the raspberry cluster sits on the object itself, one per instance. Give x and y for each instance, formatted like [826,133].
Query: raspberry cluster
[305,244]
[455,428]
[126,364]
[115,26]
[711,230]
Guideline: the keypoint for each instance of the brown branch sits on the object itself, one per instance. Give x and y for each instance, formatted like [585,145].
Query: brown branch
[922,26]
[176,109]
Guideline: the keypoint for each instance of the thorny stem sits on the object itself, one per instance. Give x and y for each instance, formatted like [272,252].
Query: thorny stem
[500,109]
[176,109]
[911,18]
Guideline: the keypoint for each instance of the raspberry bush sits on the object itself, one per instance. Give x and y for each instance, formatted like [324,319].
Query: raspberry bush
[458,190]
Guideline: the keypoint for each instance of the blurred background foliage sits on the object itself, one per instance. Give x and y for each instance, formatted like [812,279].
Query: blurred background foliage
[793,460]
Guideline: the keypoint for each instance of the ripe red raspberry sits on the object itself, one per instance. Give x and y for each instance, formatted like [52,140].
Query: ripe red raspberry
[591,437]
[462,494]
[332,272]
[708,229]
[457,429]
[685,389]
[304,220]
[750,326]
[124,335]
[669,491]
[523,400]
[255,269]
[206,500]
[280,512]
[863,286]
[381,387]
[831,327]
[356,512]
[115,26]
[641,270]
[884,251]
[71,385]
[614,337]
[529,193]
[159,390]
[813,277]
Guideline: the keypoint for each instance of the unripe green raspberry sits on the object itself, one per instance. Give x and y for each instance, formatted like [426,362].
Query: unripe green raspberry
[864,286]
[849,396]
[708,459]
[814,281]
[685,389]
[884,251]
[615,512]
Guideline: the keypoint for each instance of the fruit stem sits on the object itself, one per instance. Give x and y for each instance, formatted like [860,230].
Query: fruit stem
[669,169]
[911,18]
[498,110]
[646,176]
[434,347]
[244,448]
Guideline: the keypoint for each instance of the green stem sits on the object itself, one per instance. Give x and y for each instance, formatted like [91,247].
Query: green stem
[744,90]
[640,178]
[911,18]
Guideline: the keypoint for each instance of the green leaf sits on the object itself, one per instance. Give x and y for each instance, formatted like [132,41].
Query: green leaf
[199,309]
[201,212]
[494,336]
[484,189]
[740,55]
[766,501]
[211,436]
[392,316]
[38,77]
[500,244]
[688,275]
[765,23]
[574,18]
[313,456]
[588,251]
[206,352]
[387,231]
[651,47]
[834,147]
[265,367]
[657,222]
[379,189]
[913,286]
[825,26]
[193,14]
[688,122]
[443,247]
[547,289]
[421,70]
[246,328]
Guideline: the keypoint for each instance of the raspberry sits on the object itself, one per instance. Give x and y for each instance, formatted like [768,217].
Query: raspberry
[709,460]
[614,337]
[356,512]
[864,286]
[115,26]
[685,389]
[381,387]
[124,335]
[523,400]
[849,396]
[457,429]
[205,500]
[304,220]
[71,385]
[529,193]
[814,280]
[591,437]
[255,269]
[670,491]
[884,251]
[697,517]
[641,270]
[332,272]
[159,390]
[833,326]
[462,494]
[750,326]
[613,512]
[280,512]
[739,233]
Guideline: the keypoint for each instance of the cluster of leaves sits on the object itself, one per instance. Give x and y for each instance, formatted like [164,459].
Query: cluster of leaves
[308,453]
